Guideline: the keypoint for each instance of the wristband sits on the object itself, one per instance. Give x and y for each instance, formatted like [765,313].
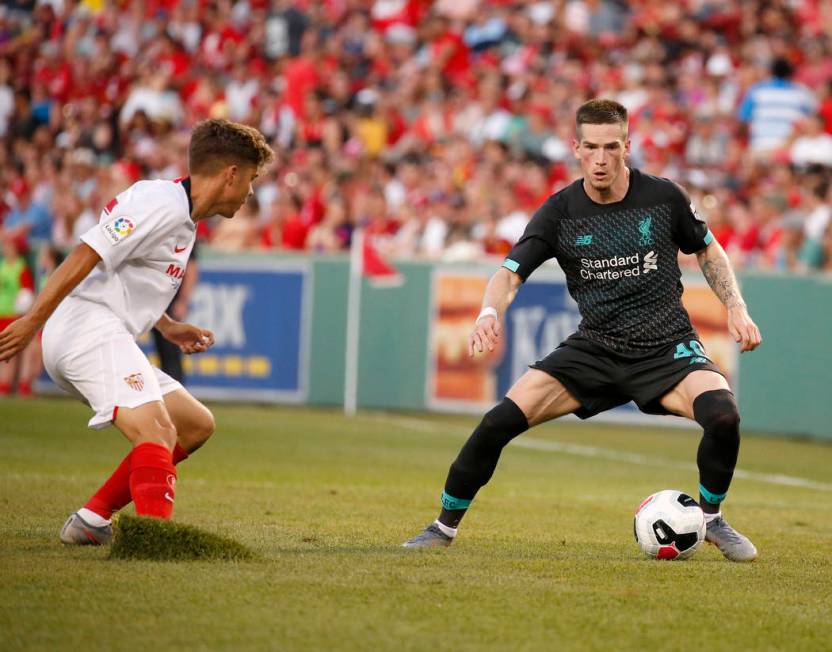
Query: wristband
[487,312]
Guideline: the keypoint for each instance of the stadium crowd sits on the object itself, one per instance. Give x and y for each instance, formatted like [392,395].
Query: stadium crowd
[437,126]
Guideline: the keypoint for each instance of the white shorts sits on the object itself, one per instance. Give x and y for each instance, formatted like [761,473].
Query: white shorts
[89,353]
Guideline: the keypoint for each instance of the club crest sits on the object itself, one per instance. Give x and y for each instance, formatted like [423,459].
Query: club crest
[136,381]
[644,230]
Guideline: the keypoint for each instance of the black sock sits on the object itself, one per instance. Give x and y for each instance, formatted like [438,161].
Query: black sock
[478,458]
[716,411]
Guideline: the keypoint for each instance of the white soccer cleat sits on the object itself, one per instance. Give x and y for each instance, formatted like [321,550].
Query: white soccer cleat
[731,543]
[77,532]
[430,537]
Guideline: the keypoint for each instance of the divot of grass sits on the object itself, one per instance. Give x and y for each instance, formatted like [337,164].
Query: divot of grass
[136,537]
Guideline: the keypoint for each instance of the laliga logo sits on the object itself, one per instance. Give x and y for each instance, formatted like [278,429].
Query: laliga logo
[123,226]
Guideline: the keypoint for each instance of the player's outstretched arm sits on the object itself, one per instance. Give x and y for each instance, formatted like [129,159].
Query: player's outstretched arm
[717,270]
[500,292]
[63,280]
[189,338]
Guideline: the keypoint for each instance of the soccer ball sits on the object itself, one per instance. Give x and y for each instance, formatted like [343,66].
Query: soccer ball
[669,525]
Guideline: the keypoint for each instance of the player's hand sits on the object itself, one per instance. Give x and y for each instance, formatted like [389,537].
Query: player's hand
[189,338]
[15,337]
[743,329]
[485,335]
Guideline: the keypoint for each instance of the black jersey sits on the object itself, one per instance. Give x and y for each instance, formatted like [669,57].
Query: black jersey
[620,259]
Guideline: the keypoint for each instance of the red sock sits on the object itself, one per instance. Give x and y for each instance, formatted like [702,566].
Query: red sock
[179,454]
[114,493]
[152,480]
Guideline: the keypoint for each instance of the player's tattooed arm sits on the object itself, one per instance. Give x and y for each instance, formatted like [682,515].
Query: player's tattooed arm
[717,270]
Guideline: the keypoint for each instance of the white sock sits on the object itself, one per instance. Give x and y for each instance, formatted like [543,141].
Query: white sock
[448,531]
[92,518]
[711,517]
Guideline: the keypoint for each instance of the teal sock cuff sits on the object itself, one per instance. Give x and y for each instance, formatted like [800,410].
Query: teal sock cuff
[450,503]
[712,498]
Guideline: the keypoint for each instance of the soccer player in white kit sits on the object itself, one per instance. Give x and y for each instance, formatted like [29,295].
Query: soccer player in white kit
[116,285]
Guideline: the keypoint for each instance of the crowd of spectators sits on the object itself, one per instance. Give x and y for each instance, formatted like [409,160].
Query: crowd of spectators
[437,126]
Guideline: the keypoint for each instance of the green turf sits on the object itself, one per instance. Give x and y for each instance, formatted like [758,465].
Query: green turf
[545,560]
[135,537]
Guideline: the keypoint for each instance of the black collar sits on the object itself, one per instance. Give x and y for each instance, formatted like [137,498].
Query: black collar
[186,184]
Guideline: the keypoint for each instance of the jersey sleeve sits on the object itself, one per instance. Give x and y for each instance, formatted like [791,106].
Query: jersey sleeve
[690,232]
[538,244]
[124,231]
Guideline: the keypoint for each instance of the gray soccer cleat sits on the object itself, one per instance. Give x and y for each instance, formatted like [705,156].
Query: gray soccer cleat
[76,531]
[430,537]
[731,543]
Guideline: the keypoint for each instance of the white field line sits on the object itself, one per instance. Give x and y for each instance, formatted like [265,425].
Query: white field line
[425,425]
[579,450]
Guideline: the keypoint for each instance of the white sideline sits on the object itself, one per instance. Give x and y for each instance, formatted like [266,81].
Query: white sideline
[420,425]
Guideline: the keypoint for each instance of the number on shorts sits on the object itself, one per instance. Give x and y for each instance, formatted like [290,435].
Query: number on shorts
[683,351]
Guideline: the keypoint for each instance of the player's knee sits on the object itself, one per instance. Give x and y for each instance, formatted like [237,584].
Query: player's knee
[204,428]
[502,423]
[161,432]
[478,457]
[716,411]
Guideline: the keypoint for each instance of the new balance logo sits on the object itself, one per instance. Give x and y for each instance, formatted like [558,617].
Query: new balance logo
[583,240]
[651,259]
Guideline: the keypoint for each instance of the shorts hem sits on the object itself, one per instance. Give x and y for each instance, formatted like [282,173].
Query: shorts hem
[583,412]
[653,405]
[104,419]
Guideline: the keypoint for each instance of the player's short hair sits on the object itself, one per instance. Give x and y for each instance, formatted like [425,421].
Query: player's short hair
[600,112]
[218,143]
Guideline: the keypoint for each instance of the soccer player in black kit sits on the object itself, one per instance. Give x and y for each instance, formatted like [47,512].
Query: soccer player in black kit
[616,233]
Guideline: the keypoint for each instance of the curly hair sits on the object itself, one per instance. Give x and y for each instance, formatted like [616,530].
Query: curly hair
[218,143]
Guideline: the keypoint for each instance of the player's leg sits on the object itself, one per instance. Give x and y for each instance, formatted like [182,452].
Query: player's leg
[706,397]
[115,378]
[536,397]
[194,422]
[146,476]
[151,431]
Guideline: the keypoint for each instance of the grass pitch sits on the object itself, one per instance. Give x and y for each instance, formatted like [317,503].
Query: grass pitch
[545,559]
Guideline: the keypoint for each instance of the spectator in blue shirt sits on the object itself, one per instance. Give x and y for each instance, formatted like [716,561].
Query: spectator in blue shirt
[771,108]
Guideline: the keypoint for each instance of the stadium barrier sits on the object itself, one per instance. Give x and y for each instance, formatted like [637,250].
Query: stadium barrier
[281,336]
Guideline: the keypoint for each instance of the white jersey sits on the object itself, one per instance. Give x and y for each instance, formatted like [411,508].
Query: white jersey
[144,238]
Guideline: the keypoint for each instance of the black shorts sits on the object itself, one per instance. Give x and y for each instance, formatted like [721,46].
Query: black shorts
[601,379]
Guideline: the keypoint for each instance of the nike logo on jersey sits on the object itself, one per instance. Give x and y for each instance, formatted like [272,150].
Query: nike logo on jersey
[179,250]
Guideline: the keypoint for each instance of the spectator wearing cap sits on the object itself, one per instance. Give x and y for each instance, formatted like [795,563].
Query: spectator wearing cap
[772,107]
